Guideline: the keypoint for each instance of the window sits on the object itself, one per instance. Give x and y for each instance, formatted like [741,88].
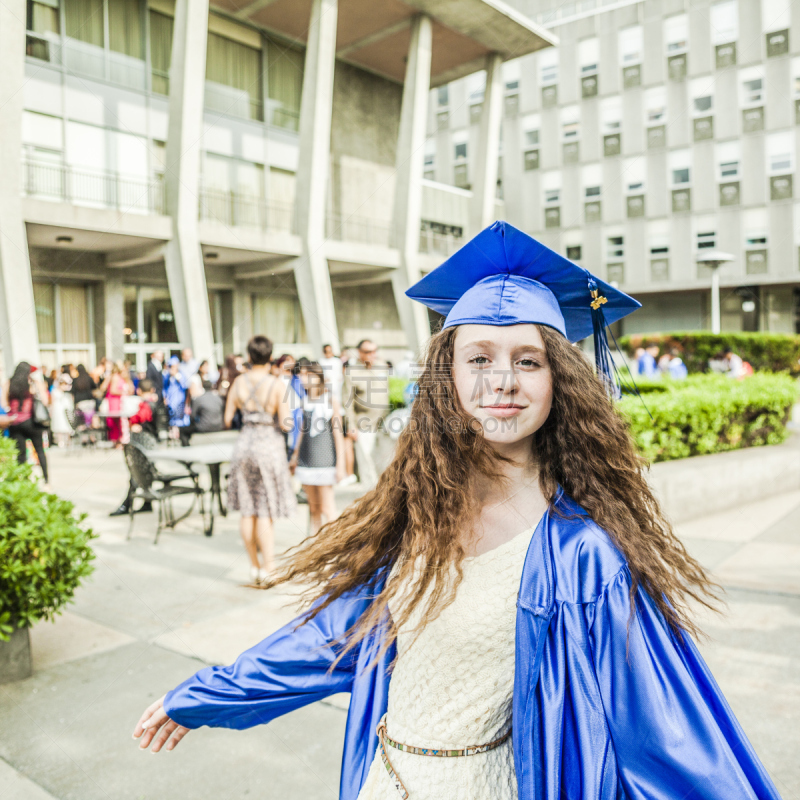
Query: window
[84,21]
[443,95]
[676,33]
[125,34]
[725,22]
[476,87]
[592,181]
[532,138]
[752,87]
[659,246]
[512,86]
[570,123]
[703,105]
[655,103]
[757,239]
[460,151]
[796,76]
[285,67]
[615,248]
[574,252]
[680,167]
[589,56]
[630,46]
[552,196]
[780,153]
[633,174]
[775,15]
[728,170]
[611,114]
[706,239]
[161,27]
[548,66]
[233,78]
[42,20]
[63,322]
[511,76]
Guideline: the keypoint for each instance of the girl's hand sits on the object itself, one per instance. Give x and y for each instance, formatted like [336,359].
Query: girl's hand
[292,465]
[156,727]
[341,473]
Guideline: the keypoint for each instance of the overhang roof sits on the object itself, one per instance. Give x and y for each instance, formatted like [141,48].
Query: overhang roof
[374,34]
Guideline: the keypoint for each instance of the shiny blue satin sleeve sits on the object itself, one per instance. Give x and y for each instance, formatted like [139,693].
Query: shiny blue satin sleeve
[287,670]
[673,733]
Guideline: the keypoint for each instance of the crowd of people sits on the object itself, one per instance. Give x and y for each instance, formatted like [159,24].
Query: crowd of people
[651,363]
[324,414]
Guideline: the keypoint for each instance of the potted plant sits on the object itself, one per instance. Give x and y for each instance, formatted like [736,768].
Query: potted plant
[44,556]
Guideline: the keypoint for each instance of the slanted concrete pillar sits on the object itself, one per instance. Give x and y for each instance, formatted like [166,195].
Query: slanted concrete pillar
[485,177]
[113,316]
[183,256]
[311,269]
[18,333]
[408,187]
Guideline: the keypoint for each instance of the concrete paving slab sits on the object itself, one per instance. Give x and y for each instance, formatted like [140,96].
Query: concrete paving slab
[763,565]
[69,637]
[743,523]
[14,786]
[70,728]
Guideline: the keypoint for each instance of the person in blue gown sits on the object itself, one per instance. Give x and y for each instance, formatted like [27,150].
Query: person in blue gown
[609,698]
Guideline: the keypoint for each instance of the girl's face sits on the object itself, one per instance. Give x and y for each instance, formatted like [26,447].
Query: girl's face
[503,379]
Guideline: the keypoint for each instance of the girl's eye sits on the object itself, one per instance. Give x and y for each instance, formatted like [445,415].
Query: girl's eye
[479,360]
[529,362]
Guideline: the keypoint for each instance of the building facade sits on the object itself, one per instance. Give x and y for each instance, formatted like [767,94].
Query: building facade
[179,174]
[654,131]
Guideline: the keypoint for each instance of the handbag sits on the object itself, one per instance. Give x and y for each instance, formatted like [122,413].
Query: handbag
[41,414]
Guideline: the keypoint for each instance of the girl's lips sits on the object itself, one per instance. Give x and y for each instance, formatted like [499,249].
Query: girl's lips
[502,411]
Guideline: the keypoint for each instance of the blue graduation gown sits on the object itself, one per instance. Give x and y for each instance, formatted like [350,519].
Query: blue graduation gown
[601,711]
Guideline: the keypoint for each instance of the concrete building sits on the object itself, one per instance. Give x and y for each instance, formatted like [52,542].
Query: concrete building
[654,131]
[183,173]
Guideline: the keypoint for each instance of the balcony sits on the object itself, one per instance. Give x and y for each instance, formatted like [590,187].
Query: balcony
[362,230]
[239,210]
[439,242]
[61,183]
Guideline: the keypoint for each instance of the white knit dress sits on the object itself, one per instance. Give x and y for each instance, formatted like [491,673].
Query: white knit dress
[454,687]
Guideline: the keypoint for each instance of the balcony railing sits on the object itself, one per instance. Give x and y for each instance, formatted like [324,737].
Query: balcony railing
[440,244]
[239,210]
[64,184]
[346,228]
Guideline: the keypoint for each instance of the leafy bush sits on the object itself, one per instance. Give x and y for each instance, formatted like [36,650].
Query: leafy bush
[773,352]
[44,550]
[710,414]
[396,387]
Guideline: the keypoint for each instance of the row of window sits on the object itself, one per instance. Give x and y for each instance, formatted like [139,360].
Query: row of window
[724,30]
[755,245]
[123,41]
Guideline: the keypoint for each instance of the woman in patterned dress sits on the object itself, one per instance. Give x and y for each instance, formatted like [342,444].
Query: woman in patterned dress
[318,458]
[259,484]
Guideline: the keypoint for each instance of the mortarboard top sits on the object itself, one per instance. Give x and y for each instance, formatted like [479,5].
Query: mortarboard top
[505,277]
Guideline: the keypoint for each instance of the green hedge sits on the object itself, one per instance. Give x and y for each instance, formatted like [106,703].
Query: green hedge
[774,352]
[709,414]
[44,549]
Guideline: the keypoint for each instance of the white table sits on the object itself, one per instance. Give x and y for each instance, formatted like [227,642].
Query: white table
[213,455]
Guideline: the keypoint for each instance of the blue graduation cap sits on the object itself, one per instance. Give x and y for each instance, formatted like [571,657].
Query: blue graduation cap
[504,277]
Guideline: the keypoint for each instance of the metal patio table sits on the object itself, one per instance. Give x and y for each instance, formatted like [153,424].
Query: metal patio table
[213,455]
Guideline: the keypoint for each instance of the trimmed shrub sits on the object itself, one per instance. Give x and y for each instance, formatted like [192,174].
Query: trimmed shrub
[396,387]
[44,549]
[773,352]
[710,414]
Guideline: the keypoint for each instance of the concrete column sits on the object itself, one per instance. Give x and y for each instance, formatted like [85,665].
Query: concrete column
[183,256]
[408,185]
[113,315]
[311,269]
[485,176]
[18,333]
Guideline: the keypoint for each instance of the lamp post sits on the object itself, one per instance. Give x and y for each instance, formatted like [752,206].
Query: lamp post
[714,259]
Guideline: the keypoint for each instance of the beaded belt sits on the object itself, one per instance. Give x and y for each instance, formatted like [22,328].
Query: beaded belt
[470,750]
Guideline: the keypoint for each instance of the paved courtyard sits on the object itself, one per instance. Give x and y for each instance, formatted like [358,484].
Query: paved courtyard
[152,615]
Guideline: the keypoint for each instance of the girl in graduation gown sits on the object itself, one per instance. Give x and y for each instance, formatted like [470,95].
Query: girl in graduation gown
[508,606]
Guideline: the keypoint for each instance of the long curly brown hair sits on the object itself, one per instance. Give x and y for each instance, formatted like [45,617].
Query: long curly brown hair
[422,503]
